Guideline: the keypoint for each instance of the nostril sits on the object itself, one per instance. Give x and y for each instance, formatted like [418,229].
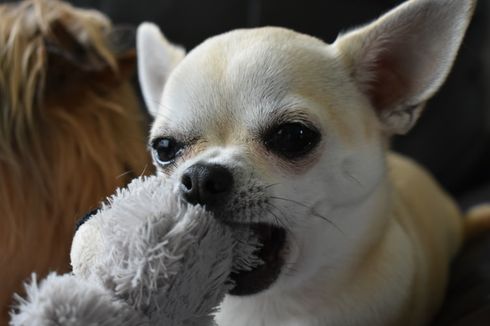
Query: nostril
[187,182]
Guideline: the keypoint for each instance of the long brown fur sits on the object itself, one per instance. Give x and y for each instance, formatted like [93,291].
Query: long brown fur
[70,132]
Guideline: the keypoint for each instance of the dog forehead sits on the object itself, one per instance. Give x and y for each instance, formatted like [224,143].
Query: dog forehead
[243,58]
[244,74]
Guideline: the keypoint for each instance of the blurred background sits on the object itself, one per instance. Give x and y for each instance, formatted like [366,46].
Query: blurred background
[452,139]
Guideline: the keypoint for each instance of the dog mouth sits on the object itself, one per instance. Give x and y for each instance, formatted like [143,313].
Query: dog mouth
[273,241]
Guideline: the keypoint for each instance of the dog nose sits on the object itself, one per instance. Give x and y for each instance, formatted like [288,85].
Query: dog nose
[206,184]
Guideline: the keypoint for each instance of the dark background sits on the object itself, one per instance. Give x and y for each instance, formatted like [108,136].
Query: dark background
[452,139]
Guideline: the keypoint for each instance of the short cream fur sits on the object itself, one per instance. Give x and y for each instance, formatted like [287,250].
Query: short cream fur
[383,259]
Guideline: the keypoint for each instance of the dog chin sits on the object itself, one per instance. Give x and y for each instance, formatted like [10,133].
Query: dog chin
[272,253]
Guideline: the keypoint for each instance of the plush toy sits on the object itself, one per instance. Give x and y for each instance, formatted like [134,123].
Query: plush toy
[145,258]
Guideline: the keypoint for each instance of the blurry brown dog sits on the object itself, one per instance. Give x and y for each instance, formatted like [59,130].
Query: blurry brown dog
[70,131]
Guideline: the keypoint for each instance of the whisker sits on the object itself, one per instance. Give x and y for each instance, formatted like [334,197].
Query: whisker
[287,218]
[313,212]
[160,104]
[276,218]
[356,180]
[271,185]
[282,222]
[144,170]
[290,200]
[123,174]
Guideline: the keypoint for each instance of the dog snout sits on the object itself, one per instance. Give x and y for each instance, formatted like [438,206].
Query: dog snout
[206,184]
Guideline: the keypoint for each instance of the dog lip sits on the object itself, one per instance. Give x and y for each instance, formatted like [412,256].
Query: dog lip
[273,240]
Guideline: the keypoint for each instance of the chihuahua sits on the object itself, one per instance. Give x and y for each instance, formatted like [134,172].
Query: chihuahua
[288,135]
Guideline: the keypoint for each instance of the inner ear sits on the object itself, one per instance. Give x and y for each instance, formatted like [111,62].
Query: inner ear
[400,60]
[389,85]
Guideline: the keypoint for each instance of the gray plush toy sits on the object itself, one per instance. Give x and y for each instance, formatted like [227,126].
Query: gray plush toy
[145,258]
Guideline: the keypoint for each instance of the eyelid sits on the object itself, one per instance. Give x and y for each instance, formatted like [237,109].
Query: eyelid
[185,145]
[287,119]
[184,140]
[166,164]
[284,115]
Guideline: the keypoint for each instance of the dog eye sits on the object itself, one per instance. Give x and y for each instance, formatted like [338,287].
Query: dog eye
[292,140]
[166,150]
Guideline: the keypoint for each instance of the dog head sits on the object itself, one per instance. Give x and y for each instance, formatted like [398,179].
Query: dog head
[52,53]
[281,131]
[69,119]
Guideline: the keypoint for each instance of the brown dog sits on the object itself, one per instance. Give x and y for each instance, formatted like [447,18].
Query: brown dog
[70,131]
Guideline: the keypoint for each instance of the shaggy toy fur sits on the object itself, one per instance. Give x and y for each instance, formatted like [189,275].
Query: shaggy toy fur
[146,258]
[70,131]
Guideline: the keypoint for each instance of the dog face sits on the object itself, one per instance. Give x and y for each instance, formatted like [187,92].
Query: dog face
[282,132]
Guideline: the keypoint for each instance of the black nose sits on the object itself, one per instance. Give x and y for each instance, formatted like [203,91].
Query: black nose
[206,184]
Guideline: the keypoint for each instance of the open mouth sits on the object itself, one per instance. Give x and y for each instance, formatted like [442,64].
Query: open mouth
[273,240]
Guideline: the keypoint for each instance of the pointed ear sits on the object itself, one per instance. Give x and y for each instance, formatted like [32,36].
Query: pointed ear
[157,57]
[400,60]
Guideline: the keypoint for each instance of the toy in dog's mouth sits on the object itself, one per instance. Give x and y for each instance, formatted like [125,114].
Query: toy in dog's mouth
[273,241]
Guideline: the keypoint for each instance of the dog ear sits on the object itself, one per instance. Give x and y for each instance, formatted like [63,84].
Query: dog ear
[400,60]
[73,58]
[157,57]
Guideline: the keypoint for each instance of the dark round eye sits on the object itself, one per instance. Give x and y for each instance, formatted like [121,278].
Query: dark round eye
[166,150]
[291,140]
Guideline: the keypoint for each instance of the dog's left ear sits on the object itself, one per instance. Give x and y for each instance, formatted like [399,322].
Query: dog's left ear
[157,57]
[400,60]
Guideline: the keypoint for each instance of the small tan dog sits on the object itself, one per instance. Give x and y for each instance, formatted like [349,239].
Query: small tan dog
[281,131]
[70,131]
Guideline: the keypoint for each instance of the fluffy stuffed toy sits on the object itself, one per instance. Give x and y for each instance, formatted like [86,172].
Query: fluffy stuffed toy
[145,258]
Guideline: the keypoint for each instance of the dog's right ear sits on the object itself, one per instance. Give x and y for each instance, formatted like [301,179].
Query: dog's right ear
[157,57]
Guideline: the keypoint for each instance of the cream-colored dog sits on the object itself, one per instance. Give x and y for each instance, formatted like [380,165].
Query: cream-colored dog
[287,134]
